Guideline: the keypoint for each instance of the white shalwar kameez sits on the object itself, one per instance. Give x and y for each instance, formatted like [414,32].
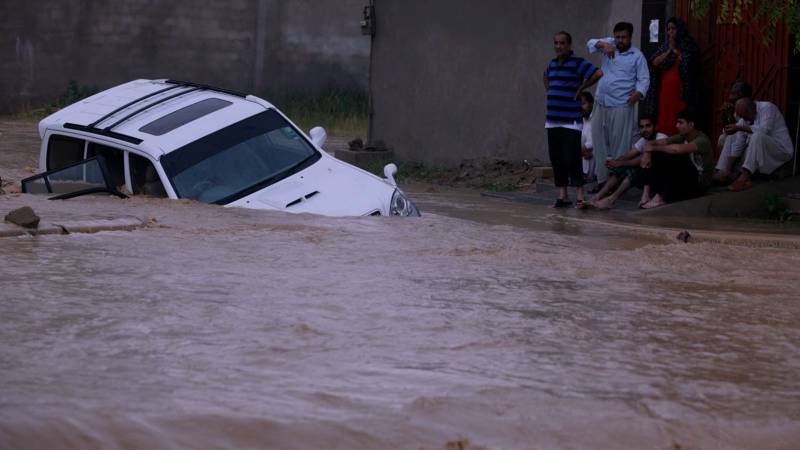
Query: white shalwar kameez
[765,149]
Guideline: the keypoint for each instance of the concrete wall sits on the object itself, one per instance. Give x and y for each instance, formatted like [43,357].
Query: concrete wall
[462,79]
[248,45]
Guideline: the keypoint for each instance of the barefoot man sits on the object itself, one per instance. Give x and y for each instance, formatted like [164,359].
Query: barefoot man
[626,167]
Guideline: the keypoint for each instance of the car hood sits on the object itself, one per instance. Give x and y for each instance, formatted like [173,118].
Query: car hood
[328,187]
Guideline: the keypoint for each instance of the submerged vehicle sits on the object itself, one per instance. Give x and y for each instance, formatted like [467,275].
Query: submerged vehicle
[178,139]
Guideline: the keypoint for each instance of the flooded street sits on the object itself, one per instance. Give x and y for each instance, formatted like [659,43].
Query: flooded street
[482,324]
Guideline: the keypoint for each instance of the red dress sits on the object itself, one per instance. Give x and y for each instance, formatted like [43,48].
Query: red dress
[670,102]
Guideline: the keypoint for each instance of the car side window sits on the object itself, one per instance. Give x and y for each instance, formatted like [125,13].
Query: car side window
[144,178]
[63,151]
[115,162]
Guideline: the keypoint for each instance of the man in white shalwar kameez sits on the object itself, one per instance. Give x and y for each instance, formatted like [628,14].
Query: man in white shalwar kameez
[761,139]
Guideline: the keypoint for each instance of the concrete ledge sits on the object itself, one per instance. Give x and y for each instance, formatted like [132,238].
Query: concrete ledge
[726,203]
[742,239]
[364,158]
[78,226]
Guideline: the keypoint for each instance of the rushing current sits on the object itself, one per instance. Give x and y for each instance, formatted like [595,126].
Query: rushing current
[482,324]
[225,328]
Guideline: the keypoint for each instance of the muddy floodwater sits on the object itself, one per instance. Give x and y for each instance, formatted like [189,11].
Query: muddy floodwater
[227,328]
[482,324]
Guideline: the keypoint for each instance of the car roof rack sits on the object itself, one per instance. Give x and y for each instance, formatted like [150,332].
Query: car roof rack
[208,87]
[106,131]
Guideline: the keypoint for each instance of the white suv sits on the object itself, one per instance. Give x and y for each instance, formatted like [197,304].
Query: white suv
[185,140]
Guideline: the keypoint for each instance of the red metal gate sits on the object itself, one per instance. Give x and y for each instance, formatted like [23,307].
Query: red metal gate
[737,52]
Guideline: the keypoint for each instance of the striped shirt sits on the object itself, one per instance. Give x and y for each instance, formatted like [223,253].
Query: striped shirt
[563,80]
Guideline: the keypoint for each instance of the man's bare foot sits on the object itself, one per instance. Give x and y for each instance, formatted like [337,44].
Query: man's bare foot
[643,201]
[605,203]
[654,202]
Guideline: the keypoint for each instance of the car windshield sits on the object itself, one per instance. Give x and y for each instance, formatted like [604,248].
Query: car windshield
[238,160]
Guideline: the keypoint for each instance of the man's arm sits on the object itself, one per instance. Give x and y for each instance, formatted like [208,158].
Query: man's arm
[646,159]
[603,45]
[546,82]
[642,80]
[671,149]
[630,159]
[589,82]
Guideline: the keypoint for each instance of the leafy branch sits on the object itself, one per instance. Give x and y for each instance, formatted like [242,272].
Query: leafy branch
[734,12]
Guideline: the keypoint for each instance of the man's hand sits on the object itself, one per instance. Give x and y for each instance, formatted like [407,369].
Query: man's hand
[646,160]
[731,129]
[587,153]
[634,98]
[608,49]
[613,163]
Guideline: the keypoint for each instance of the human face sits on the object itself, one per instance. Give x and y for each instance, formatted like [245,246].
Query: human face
[672,30]
[586,107]
[623,40]
[743,112]
[684,127]
[562,46]
[647,129]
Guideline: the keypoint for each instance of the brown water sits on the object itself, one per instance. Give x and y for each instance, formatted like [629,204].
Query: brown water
[222,329]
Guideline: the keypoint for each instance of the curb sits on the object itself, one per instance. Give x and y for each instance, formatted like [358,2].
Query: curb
[742,239]
[79,226]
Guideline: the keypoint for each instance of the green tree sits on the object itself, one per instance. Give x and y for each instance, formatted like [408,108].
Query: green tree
[773,11]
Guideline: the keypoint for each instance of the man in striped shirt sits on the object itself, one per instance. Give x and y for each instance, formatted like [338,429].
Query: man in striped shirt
[565,78]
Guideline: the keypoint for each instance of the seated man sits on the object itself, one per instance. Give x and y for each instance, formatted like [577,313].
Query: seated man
[764,141]
[730,136]
[679,167]
[626,167]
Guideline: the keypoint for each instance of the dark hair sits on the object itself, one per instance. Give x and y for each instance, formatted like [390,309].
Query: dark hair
[688,114]
[685,42]
[586,95]
[646,116]
[566,35]
[744,89]
[624,26]
[749,103]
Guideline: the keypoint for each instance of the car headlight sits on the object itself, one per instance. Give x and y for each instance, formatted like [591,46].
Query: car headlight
[402,206]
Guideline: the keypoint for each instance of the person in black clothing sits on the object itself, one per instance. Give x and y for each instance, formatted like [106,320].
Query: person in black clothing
[676,168]
[565,78]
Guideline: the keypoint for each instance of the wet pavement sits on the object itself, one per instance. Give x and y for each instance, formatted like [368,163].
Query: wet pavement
[485,323]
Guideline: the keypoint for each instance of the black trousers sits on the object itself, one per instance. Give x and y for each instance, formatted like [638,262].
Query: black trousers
[564,146]
[672,176]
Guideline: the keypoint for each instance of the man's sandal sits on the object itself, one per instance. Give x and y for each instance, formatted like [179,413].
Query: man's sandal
[740,185]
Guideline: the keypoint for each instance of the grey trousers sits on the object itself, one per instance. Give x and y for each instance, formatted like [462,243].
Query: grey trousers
[613,130]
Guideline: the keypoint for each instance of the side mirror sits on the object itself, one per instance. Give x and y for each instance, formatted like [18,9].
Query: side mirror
[389,172]
[318,136]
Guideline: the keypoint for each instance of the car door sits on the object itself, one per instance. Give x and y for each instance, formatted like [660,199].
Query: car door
[129,172]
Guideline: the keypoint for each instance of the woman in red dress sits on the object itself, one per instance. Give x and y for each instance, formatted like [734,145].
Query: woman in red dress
[674,76]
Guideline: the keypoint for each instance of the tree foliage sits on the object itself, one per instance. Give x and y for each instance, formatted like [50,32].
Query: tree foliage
[771,11]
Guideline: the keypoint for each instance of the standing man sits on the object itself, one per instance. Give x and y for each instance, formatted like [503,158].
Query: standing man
[564,79]
[625,82]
